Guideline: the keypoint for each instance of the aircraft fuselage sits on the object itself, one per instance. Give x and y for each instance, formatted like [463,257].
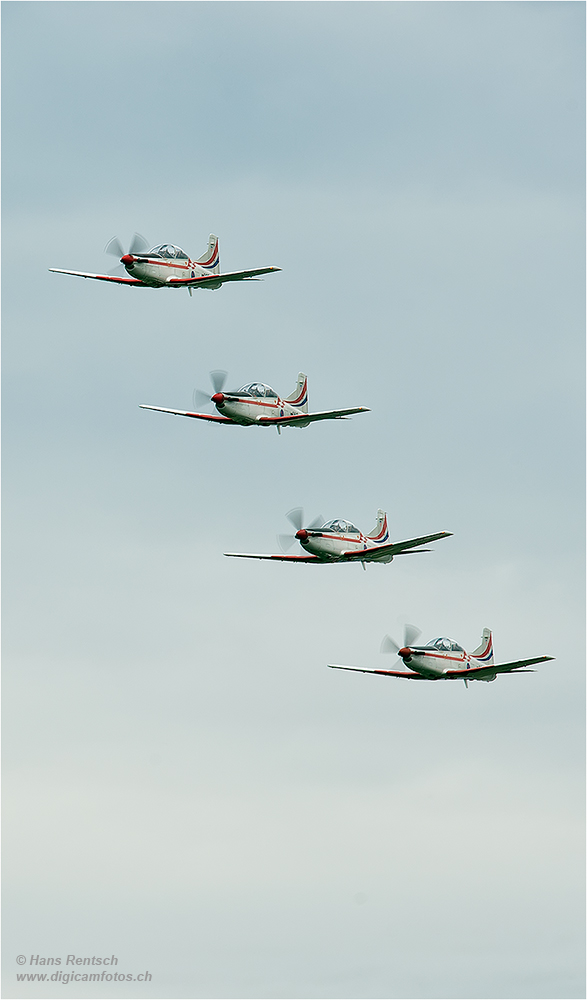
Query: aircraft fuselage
[159,272]
[251,411]
[331,546]
[435,665]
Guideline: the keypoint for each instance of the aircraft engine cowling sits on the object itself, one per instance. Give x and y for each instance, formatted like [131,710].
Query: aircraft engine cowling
[488,679]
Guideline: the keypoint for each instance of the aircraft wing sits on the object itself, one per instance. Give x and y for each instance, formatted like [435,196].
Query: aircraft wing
[499,668]
[412,676]
[204,281]
[394,548]
[215,418]
[103,277]
[308,418]
[252,555]
[216,279]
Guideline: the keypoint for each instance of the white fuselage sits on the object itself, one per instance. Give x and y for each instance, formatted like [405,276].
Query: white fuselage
[434,664]
[252,410]
[331,545]
[159,271]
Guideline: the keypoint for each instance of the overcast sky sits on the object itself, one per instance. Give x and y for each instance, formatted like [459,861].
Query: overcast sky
[187,786]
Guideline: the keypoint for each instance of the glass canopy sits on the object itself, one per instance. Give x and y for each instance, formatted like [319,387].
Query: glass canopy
[168,250]
[444,645]
[343,527]
[258,389]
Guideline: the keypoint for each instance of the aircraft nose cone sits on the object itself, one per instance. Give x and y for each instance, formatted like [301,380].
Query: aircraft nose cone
[302,535]
[127,259]
[405,652]
[218,398]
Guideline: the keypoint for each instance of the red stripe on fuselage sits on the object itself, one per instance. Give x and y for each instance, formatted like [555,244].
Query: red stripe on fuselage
[167,263]
[440,656]
[257,402]
[344,538]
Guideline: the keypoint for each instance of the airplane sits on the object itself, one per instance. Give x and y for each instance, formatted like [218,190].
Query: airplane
[168,266]
[443,659]
[340,541]
[257,404]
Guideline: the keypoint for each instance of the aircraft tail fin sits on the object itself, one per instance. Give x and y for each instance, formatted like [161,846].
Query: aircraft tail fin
[380,533]
[211,259]
[484,652]
[299,396]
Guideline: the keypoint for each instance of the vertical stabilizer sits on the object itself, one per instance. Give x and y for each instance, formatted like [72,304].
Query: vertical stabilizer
[211,259]
[484,652]
[380,532]
[299,396]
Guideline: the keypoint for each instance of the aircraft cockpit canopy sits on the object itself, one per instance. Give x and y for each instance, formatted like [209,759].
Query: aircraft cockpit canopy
[258,389]
[168,250]
[444,645]
[342,527]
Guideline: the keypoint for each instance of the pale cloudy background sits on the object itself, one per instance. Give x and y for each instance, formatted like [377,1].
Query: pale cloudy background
[186,784]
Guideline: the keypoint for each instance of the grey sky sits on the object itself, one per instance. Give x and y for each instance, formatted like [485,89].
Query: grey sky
[186,784]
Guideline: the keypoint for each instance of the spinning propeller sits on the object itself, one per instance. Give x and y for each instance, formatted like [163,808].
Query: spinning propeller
[296,516]
[203,399]
[389,645]
[137,247]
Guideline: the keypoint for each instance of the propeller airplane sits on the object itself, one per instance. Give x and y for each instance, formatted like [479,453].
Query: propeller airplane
[168,266]
[444,659]
[341,541]
[258,405]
